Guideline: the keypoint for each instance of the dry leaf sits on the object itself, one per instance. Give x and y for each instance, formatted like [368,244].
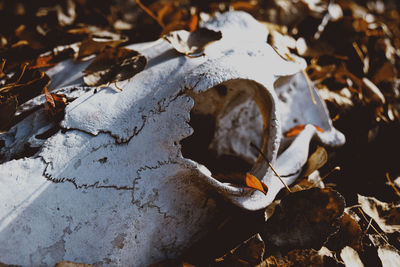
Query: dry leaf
[251,251]
[238,178]
[91,46]
[316,160]
[349,234]
[303,219]
[252,182]
[389,256]
[192,43]
[386,215]
[341,99]
[112,65]
[298,128]
[387,72]
[56,103]
[350,257]
[372,92]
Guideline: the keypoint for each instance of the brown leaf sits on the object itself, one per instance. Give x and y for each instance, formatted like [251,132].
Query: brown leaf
[316,160]
[387,72]
[112,65]
[251,251]
[253,182]
[171,16]
[386,215]
[43,62]
[349,234]
[91,46]
[298,128]
[304,219]
[55,103]
[192,43]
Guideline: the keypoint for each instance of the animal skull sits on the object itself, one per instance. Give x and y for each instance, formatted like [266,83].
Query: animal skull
[112,188]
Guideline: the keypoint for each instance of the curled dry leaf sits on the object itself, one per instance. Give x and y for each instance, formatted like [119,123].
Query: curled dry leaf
[349,234]
[97,41]
[192,43]
[112,65]
[316,160]
[55,103]
[386,215]
[253,182]
[350,257]
[238,178]
[304,219]
[298,128]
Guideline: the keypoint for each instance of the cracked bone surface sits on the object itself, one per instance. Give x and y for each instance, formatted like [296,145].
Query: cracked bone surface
[112,187]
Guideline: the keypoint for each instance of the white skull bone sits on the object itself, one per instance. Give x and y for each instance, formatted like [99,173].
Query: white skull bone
[114,189]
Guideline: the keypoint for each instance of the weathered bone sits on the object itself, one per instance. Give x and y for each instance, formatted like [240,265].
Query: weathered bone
[112,188]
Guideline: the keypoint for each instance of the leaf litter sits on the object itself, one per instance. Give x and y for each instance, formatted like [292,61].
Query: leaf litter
[113,65]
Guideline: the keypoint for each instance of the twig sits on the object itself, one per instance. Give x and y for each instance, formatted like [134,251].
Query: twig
[392,184]
[3,63]
[269,164]
[358,51]
[369,225]
[309,87]
[116,86]
[373,227]
[22,73]
[337,168]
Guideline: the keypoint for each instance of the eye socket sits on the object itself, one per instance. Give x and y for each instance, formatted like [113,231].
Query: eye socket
[225,119]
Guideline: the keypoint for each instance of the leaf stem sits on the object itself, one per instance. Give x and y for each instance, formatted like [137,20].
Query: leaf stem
[270,165]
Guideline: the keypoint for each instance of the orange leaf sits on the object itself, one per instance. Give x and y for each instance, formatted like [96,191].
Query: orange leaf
[43,62]
[49,99]
[56,103]
[194,20]
[253,182]
[298,128]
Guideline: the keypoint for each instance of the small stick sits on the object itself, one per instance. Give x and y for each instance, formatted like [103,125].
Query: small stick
[369,225]
[269,164]
[116,86]
[373,227]
[22,73]
[337,168]
[358,50]
[3,63]
[392,184]
[309,86]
